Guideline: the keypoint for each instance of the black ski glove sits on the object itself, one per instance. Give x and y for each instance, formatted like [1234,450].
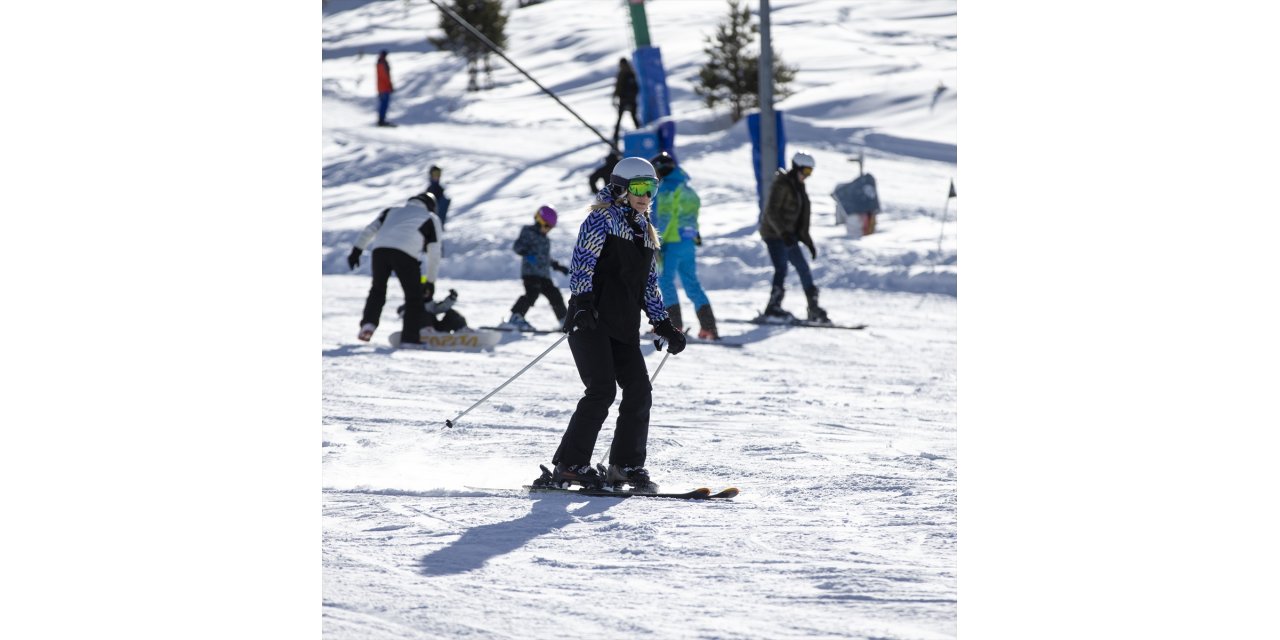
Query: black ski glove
[675,339]
[584,316]
[353,260]
[697,239]
[789,239]
[559,267]
[429,291]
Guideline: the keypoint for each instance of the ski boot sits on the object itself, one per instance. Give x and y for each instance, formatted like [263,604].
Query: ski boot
[816,314]
[585,476]
[517,321]
[707,320]
[636,477]
[773,312]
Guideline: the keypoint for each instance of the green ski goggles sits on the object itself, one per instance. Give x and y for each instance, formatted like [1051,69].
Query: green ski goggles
[642,187]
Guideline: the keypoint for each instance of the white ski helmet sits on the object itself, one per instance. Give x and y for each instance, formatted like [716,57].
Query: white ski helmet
[802,159]
[629,169]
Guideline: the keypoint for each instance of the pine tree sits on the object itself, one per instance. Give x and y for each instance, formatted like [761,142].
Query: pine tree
[731,72]
[487,17]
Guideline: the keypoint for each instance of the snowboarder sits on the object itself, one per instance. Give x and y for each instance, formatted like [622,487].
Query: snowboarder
[676,218]
[437,191]
[384,88]
[535,269]
[403,239]
[625,90]
[602,173]
[784,226]
[613,276]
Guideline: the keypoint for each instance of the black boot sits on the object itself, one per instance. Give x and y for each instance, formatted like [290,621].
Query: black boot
[673,312]
[707,321]
[816,313]
[774,308]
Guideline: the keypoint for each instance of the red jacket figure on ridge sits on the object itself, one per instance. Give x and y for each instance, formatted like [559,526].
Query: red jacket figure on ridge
[384,88]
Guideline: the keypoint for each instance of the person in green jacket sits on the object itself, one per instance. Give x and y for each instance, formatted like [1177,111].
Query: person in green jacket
[784,226]
[676,219]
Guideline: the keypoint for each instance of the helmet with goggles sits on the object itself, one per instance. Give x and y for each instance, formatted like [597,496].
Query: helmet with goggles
[634,176]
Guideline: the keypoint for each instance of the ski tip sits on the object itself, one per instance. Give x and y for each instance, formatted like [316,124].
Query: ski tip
[727,493]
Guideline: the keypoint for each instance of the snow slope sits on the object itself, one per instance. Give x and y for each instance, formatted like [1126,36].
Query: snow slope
[843,443]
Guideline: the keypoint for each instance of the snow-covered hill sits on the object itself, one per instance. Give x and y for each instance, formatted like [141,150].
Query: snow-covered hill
[843,443]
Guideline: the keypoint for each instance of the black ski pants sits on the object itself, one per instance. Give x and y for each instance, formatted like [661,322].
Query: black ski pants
[605,364]
[535,286]
[408,271]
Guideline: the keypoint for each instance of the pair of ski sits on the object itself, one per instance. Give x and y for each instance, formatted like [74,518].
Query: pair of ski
[796,322]
[647,336]
[545,484]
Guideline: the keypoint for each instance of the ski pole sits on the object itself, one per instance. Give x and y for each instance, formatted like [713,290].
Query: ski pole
[660,344]
[449,423]
[664,361]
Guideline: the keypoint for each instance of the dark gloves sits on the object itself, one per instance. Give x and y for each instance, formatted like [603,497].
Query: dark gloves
[675,339]
[353,260]
[583,317]
[789,239]
[697,239]
[428,290]
[559,267]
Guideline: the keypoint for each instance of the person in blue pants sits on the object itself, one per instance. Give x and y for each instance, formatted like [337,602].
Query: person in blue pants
[676,218]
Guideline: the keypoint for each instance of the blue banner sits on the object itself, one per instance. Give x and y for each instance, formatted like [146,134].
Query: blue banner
[655,100]
[753,126]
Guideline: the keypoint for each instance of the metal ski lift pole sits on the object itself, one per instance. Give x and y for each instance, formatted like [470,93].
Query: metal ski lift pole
[449,423]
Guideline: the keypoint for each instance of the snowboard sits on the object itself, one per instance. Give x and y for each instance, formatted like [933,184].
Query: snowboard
[461,340]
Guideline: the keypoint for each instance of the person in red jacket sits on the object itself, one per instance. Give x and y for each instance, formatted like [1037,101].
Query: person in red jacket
[384,88]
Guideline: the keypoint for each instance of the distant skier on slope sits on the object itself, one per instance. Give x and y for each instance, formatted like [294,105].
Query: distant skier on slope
[784,226]
[613,276]
[535,269]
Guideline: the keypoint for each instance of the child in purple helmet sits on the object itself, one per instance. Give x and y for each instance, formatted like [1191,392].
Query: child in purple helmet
[535,269]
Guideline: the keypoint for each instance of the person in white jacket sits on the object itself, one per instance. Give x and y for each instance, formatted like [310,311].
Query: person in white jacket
[406,240]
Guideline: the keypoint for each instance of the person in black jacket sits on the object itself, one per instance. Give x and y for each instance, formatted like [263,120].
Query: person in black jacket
[613,277]
[625,90]
[784,227]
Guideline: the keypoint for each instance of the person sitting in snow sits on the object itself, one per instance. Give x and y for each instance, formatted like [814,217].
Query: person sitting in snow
[535,269]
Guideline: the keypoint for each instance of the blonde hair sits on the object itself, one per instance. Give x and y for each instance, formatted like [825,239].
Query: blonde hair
[598,205]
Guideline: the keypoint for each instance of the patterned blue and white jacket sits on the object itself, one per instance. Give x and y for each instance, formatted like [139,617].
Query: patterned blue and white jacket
[614,267]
